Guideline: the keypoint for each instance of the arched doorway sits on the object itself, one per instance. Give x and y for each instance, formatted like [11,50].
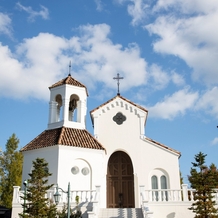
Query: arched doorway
[120,181]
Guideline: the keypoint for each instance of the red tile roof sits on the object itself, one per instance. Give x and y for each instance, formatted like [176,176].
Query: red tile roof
[64,136]
[163,146]
[69,80]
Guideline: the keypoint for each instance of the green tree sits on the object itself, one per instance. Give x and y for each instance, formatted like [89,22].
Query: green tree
[204,179]
[37,205]
[63,212]
[11,162]
[181,178]
[75,214]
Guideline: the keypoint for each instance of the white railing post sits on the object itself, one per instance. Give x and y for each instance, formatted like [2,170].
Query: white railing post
[185,192]
[16,194]
[142,192]
[94,212]
[97,194]
[144,203]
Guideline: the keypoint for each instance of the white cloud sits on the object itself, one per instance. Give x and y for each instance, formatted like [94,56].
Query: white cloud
[215,141]
[137,9]
[186,6]
[5,24]
[35,66]
[42,60]
[43,13]
[160,78]
[177,79]
[193,38]
[208,102]
[174,105]
[102,59]
[99,5]
[183,100]
[186,29]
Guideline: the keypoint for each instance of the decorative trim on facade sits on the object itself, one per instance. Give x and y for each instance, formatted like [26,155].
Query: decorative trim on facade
[119,101]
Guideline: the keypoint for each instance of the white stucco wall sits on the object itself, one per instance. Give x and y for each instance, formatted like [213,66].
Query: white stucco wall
[147,157]
[70,157]
[171,210]
[61,159]
[50,154]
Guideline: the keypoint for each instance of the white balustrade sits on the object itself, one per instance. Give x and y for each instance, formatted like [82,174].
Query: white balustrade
[171,195]
[84,195]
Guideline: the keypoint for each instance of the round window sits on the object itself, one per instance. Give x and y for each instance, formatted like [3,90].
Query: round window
[85,171]
[74,170]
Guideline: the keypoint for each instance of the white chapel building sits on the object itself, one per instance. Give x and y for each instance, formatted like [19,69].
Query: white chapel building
[118,162]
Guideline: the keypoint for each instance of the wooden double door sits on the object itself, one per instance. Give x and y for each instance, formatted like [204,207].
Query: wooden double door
[120,181]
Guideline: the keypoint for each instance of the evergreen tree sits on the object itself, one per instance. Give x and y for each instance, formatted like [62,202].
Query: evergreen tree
[11,162]
[52,210]
[204,179]
[37,205]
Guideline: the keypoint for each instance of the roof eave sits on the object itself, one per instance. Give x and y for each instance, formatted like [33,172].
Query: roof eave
[163,146]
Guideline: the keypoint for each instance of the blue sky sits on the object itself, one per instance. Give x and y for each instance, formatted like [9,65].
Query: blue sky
[166,50]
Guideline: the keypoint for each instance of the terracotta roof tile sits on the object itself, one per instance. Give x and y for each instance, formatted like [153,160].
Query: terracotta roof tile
[64,136]
[163,146]
[69,80]
[125,99]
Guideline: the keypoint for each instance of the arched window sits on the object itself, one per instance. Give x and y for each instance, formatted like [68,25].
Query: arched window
[160,182]
[154,182]
[163,183]
[154,185]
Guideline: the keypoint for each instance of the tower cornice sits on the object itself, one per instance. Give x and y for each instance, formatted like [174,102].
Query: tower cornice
[69,80]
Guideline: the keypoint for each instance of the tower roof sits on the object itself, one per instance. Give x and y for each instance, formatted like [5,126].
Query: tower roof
[69,80]
[64,136]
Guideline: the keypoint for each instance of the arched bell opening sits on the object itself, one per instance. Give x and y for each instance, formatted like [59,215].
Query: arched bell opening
[73,108]
[59,102]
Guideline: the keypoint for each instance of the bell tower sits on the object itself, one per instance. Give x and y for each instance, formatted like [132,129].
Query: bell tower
[67,106]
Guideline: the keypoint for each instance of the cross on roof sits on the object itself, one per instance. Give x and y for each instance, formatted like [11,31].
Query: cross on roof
[118,83]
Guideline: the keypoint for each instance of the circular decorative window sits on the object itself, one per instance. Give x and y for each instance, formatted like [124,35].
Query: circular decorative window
[119,118]
[85,171]
[74,170]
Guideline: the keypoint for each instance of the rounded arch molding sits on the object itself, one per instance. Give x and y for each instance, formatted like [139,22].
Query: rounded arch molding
[158,173]
[81,174]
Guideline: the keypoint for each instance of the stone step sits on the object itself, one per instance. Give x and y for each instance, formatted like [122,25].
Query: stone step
[120,213]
